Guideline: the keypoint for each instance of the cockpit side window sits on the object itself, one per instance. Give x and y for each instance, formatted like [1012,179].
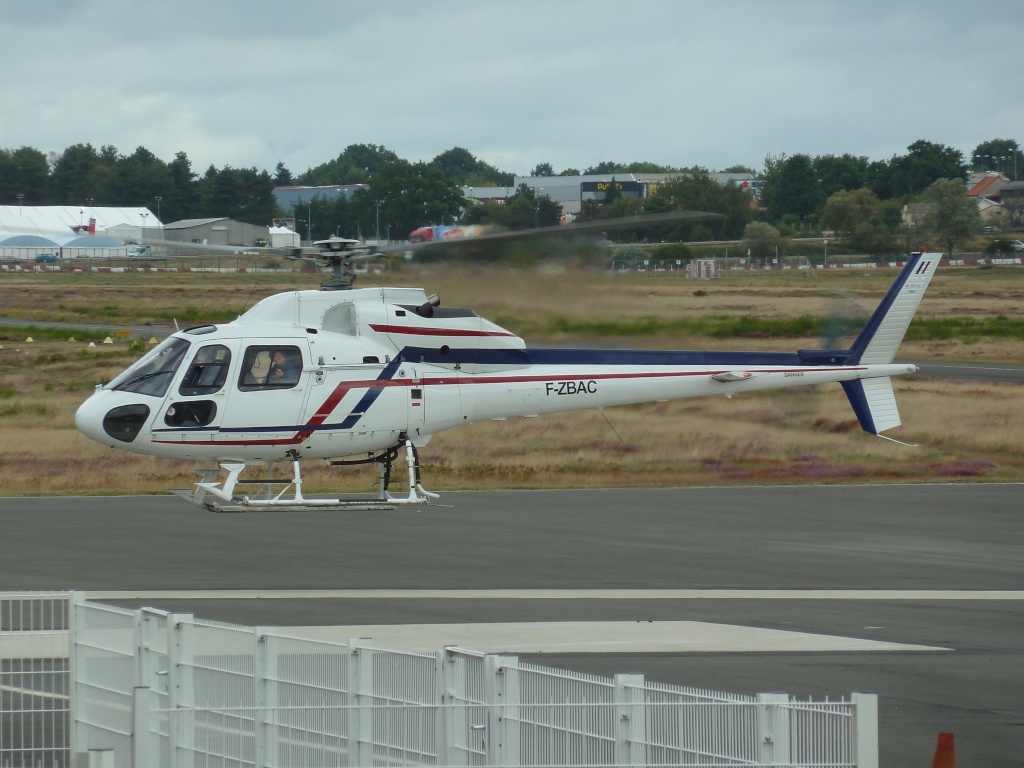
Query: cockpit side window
[208,371]
[153,373]
[270,367]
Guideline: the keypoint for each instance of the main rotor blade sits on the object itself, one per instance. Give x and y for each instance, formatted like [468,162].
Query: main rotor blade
[360,253]
[560,230]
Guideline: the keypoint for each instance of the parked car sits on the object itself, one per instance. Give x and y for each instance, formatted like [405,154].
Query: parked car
[1017,245]
[46,258]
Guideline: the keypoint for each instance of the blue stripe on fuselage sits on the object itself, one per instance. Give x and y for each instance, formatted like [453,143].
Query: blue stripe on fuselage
[371,394]
[660,357]
[555,356]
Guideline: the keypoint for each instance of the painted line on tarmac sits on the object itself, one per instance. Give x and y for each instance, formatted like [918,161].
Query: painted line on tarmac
[565,637]
[557,594]
[599,637]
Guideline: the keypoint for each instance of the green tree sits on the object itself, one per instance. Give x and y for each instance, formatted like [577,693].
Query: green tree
[357,164]
[910,174]
[953,216]
[527,209]
[838,173]
[456,164]
[77,176]
[244,194]
[25,172]
[793,190]
[282,176]
[413,196]
[542,169]
[460,166]
[136,180]
[739,169]
[612,193]
[648,167]
[761,240]
[873,239]
[181,201]
[698,191]
[321,217]
[845,211]
[998,155]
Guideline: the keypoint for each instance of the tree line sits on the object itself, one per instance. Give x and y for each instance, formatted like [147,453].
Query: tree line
[799,194]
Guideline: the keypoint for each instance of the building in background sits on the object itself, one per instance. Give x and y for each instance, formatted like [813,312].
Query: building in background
[219,231]
[73,231]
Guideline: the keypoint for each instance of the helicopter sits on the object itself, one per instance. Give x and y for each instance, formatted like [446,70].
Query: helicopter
[368,375]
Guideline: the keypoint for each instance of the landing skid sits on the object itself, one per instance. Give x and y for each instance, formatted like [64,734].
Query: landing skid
[226,497]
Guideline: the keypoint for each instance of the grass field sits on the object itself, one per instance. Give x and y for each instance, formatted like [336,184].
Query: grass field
[964,430]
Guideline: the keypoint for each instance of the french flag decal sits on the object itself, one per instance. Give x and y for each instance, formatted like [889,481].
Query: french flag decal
[922,268]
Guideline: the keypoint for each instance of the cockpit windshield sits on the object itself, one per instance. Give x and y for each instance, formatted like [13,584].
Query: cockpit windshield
[153,373]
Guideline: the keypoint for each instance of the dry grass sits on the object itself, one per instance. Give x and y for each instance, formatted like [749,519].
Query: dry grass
[965,430]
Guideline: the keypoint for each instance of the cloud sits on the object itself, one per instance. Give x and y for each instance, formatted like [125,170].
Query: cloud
[572,83]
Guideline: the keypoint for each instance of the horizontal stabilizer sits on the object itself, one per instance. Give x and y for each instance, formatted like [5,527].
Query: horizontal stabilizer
[874,403]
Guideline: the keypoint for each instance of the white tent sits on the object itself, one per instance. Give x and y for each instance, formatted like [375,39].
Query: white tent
[68,226]
[282,237]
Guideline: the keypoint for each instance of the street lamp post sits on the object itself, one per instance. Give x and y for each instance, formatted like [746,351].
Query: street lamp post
[20,198]
[143,215]
[309,221]
[377,204]
[158,198]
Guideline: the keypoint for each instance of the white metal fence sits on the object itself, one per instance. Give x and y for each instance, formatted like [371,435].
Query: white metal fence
[34,679]
[151,688]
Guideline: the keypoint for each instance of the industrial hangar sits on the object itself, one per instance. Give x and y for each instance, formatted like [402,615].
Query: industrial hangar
[72,231]
[84,232]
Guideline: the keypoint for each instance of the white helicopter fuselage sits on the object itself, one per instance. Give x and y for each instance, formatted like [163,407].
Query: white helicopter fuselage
[329,374]
[364,373]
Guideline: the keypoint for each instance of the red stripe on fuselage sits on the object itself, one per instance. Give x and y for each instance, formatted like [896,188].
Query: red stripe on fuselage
[409,330]
[339,392]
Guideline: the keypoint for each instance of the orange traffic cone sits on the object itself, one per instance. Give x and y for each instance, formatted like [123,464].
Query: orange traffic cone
[945,754]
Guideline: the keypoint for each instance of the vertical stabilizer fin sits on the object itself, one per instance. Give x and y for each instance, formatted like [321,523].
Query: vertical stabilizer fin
[874,403]
[881,337]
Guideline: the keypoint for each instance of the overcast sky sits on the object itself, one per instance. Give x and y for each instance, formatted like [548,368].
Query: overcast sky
[249,83]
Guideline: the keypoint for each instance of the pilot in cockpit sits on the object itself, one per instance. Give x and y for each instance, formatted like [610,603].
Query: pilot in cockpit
[284,368]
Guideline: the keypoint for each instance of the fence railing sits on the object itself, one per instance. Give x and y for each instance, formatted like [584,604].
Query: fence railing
[34,702]
[152,688]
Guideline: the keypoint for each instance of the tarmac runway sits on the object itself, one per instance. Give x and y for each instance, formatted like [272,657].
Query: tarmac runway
[914,592]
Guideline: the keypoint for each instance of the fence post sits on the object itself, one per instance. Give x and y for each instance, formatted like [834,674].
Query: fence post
[143,755]
[265,678]
[630,720]
[442,736]
[181,688]
[865,729]
[501,692]
[75,738]
[773,729]
[360,702]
